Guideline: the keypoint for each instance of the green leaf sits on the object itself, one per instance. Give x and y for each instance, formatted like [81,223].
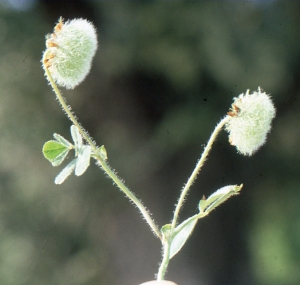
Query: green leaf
[181,234]
[102,152]
[83,160]
[76,136]
[55,152]
[63,141]
[166,231]
[66,172]
[219,197]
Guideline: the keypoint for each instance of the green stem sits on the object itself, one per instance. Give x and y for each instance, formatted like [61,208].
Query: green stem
[195,172]
[68,111]
[130,195]
[165,262]
[102,163]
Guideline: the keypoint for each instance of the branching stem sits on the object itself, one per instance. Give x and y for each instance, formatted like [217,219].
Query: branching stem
[167,243]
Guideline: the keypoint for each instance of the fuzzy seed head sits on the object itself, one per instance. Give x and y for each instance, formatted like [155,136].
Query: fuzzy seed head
[70,50]
[250,122]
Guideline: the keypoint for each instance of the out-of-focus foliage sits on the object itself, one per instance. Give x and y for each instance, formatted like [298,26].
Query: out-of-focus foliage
[163,76]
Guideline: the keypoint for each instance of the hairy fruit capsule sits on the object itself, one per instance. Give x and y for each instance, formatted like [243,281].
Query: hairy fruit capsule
[70,50]
[250,122]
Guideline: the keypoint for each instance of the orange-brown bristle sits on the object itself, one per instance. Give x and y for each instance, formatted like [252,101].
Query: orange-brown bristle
[59,25]
[51,44]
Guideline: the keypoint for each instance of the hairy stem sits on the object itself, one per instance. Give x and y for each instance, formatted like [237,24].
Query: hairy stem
[101,162]
[165,262]
[195,172]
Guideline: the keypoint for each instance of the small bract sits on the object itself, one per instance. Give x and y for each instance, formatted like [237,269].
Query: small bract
[70,50]
[251,117]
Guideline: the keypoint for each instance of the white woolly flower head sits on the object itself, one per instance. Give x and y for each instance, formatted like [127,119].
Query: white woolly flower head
[70,50]
[251,117]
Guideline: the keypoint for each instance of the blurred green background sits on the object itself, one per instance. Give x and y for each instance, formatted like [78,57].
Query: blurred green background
[163,76]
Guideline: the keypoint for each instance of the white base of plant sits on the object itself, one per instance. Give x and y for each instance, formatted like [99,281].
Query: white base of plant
[155,282]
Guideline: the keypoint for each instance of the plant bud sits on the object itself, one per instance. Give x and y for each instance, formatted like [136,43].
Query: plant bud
[251,117]
[70,50]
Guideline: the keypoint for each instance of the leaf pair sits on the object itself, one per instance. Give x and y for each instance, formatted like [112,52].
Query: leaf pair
[182,232]
[57,150]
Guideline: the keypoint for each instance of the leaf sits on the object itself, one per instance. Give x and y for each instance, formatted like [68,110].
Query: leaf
[55,152]
[83,160]
[76,136]
[166,231]
[60,158]
[102,152]
[181,234]
[219,197]
[66,172]
[63,141]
